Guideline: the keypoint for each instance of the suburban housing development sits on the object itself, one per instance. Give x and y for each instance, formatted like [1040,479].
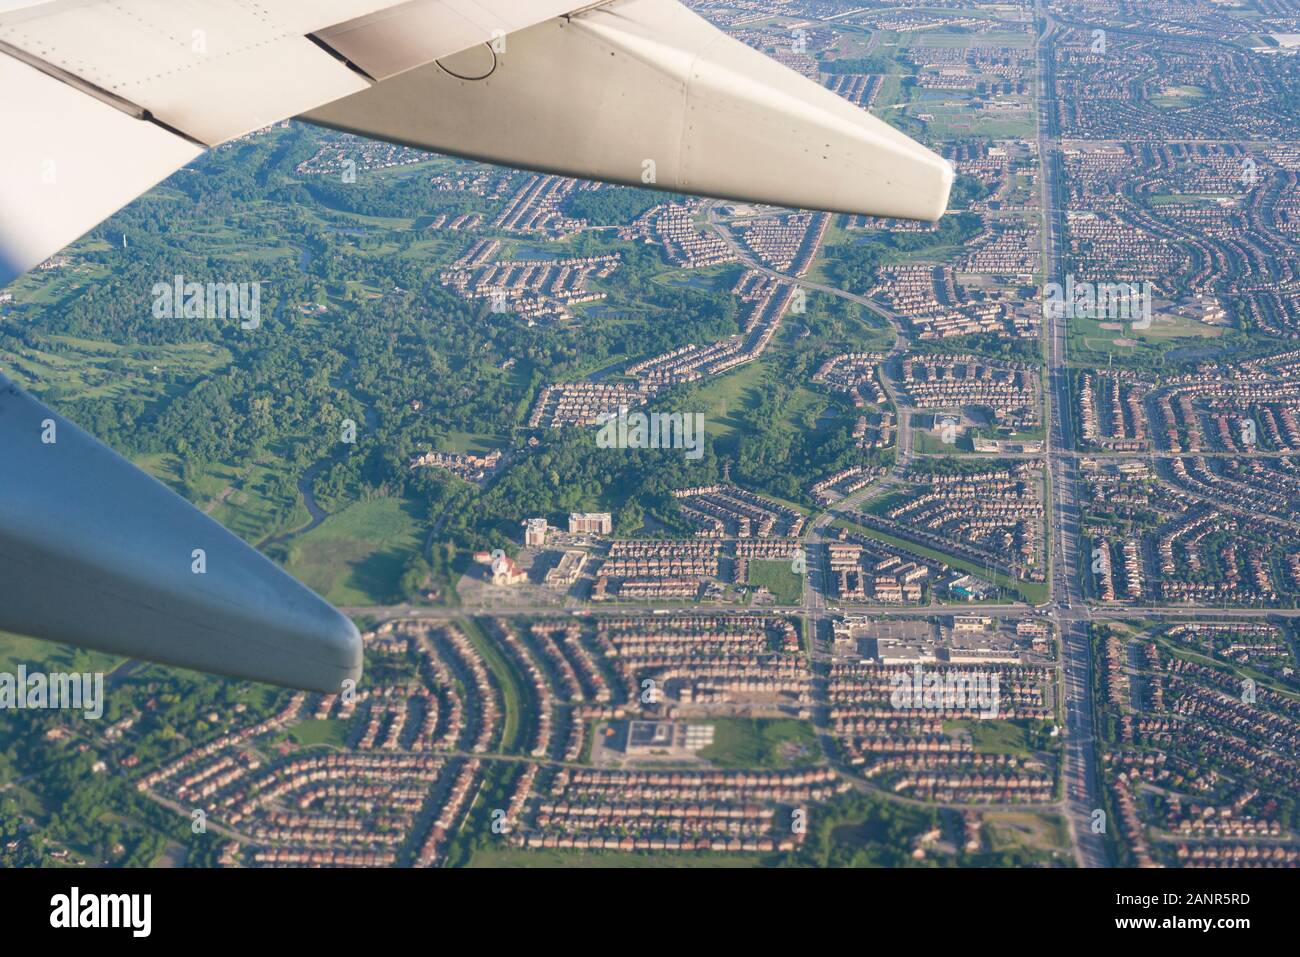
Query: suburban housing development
[989,556]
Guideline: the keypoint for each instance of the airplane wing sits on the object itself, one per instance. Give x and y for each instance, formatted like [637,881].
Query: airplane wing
[102,99]
[646,93]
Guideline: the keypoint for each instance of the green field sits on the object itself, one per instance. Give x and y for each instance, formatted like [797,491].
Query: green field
[15,651]
[725,398]
[1091,343]
[1026,831]
[994,736]
[549,858]
[784,584]
[1179,97]
[254,505]
[925,442]
[965,39]
[722,397]
[88,368]
[478,443]
[357,556]
[330,731]
[760,743]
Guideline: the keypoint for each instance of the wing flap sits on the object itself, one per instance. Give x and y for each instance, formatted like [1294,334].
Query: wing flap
[84,75]
[648,93]
[73,163]
[211,70]
[412,34]
[248,90]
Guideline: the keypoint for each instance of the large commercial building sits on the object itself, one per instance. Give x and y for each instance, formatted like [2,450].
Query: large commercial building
[591,523]
[535,530]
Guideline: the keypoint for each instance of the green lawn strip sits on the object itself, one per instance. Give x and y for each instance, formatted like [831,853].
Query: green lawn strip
[1035,593]
[508,680]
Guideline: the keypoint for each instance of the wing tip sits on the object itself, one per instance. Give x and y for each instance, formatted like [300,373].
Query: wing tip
[945,177]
